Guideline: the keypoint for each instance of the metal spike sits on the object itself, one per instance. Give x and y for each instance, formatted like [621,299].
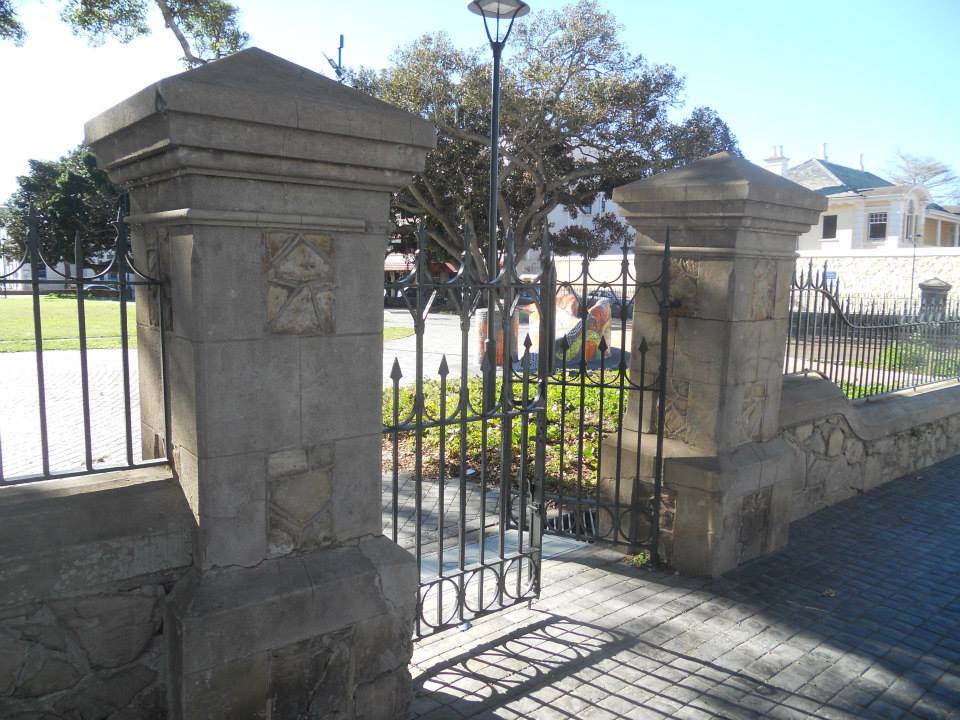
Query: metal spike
[603,347]
[395,372]
[643,347]
[444,368]
[564,344]
[527,342]
[486,364]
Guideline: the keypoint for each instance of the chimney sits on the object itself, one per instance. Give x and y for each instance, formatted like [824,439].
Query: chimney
[776,163]
[824,152]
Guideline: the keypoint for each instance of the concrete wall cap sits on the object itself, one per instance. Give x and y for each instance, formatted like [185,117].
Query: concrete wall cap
[719,178]
[810,398]
[256,86]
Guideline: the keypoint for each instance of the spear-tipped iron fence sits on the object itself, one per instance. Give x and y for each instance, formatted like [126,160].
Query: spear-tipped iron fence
[869,347]
[77,412]
[497,424]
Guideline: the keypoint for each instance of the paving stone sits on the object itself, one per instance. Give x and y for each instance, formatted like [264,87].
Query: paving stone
[659,645]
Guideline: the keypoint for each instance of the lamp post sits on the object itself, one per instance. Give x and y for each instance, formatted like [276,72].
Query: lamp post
[498,13]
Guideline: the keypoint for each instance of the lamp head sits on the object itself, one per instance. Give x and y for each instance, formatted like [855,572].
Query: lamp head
[499,9]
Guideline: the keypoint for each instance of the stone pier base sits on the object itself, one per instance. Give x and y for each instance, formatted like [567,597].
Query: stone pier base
[321,635]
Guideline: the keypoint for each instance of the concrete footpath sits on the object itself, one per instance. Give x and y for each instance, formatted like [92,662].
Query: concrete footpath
[859,617]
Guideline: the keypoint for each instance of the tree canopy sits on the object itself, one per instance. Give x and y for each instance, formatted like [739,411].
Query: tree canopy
[580,115]
[72,196]
[205,29]
[935,176]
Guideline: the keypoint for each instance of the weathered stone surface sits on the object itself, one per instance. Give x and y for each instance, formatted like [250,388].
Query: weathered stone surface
[312,678]
[385,698]
[835,442]
[301,277]
[300,493]
[45,673]
[852,448]
[755,522]
[13,654]
[108,693]
[273,183]
[112,630]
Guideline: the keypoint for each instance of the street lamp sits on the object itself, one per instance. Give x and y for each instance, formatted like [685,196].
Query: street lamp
[501,12]
[506,11]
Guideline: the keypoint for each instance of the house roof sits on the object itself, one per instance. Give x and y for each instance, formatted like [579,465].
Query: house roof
[828,178]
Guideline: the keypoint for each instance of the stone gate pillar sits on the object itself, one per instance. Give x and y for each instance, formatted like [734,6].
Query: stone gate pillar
[733,231]
[259,193]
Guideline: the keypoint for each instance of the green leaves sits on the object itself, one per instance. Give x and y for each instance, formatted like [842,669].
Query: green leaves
[102,19]
[10,27]
[205,29]
[564,462]
[71,195]
[580,115]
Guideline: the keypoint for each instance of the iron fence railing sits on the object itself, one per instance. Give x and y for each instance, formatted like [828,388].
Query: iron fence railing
[506,420]
[869,347]
[74,407]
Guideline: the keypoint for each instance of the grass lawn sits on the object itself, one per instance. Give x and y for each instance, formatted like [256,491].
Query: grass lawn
[58,317]
[395,333]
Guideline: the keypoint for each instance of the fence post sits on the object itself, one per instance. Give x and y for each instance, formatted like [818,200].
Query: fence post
[259,193]
[733,229]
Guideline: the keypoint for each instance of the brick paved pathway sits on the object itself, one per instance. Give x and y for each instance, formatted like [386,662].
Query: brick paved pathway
[20,410]
[858,618]
[430,510]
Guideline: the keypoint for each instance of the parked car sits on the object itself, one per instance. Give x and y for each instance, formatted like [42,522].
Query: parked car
[619,308]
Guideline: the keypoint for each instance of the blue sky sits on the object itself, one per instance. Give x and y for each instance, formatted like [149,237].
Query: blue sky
[864,76]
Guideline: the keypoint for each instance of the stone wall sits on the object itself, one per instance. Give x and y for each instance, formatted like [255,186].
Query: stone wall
[845,448]
[881,272]
[81,602]
[886,272]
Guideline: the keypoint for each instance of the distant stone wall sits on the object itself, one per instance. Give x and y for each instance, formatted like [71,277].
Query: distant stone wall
[844,449]
[85,570]
[887,272]
[882,272]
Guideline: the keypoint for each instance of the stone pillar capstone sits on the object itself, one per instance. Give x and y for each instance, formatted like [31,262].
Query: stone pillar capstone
[733,231]
[933,295]
[259,194]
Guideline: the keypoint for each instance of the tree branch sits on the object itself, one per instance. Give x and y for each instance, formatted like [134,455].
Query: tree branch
[171,22]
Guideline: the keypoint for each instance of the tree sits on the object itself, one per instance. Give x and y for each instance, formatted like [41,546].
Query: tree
[608,231]
[935,176]
[205,29]
[580,115]
[71,196]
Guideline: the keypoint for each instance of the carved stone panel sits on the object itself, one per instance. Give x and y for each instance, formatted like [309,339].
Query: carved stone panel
[675,415]
[751,412]
[300,489]
[301,282]
[763,299]
[684,286]
[754,531]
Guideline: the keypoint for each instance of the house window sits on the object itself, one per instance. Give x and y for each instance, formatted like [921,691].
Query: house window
[909,224]
[829,227]
[878,226]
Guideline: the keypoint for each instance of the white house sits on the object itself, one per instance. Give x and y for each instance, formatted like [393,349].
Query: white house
[880,238]
[867,212]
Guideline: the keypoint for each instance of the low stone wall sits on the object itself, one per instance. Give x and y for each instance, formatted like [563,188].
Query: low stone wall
[85,568]
[845,448]
[886,272]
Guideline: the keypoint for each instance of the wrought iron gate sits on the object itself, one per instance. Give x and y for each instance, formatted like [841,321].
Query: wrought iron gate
[605,416]
[494,426]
